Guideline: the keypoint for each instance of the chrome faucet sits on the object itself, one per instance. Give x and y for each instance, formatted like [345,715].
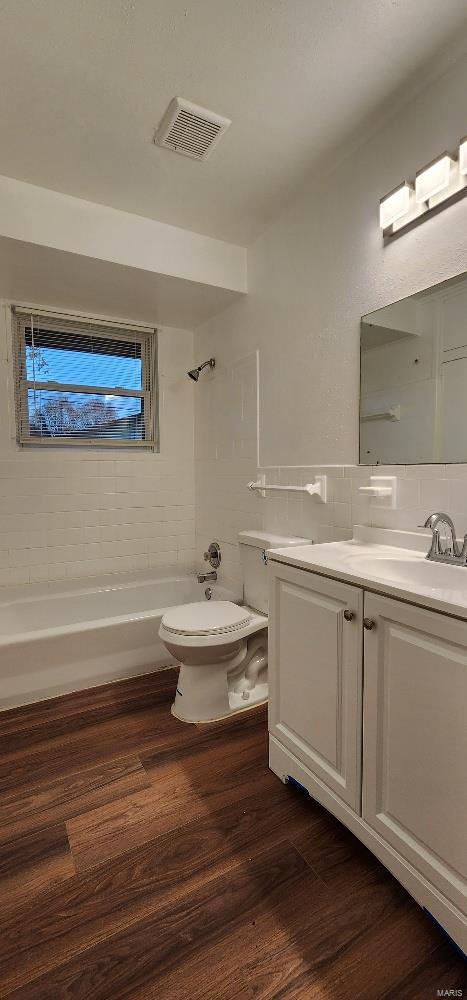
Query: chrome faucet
[207,577]
[448,551]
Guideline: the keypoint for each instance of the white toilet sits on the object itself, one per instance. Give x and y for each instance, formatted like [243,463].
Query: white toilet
[223,647]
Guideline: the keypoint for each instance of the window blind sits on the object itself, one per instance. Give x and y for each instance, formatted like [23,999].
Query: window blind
[79,381]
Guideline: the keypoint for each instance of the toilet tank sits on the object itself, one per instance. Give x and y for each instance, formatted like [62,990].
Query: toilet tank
[255,574]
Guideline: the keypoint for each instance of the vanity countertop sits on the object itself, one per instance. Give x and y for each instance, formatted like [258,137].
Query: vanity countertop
[396,571]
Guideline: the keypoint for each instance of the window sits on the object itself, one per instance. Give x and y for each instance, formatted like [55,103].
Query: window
[82,382]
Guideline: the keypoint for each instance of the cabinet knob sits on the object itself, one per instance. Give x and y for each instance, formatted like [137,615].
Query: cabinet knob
[368,623]
[348,615]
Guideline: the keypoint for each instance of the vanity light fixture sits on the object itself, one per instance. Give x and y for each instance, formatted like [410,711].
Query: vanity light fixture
[395,205]
[463,155]
[437,185]
[433,178]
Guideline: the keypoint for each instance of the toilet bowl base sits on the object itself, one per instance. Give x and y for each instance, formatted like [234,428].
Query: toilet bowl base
[216,689]
[258,697]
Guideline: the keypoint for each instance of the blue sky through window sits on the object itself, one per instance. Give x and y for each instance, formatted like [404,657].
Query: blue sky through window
[75,367]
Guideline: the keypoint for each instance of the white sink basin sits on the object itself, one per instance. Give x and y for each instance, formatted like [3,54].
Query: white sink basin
[411,569]
[386,568]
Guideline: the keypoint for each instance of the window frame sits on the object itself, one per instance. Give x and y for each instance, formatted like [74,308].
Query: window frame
[23,318]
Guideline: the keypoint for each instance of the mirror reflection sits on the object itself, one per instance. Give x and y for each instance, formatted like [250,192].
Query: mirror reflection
[413,392]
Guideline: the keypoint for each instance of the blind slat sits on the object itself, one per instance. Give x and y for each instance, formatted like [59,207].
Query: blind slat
[44,339]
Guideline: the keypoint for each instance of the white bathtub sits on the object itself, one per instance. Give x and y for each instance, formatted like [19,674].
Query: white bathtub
[59,638]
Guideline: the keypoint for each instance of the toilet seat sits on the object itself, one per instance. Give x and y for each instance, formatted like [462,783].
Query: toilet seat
[205,618]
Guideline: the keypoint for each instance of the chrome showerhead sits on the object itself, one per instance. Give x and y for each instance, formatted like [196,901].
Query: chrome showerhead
[194,373]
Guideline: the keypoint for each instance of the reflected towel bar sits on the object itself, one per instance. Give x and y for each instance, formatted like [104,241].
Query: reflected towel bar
[393,414]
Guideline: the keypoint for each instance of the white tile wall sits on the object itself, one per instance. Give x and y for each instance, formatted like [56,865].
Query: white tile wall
[224,505]
[73,513]
[66,514]
[226,460]
[231,507]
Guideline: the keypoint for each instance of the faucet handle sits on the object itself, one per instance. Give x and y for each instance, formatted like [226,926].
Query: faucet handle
[435,547]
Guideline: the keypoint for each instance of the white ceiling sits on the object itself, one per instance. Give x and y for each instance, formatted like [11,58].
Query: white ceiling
[39,275]
[84,84]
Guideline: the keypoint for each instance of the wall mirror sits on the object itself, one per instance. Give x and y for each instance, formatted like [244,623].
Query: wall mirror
[413,379]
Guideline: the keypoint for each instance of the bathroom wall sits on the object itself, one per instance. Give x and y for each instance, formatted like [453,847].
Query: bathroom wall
[226,462]
[312,275]
[78,512]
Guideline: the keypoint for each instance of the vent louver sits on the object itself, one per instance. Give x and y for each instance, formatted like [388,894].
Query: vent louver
[190,130]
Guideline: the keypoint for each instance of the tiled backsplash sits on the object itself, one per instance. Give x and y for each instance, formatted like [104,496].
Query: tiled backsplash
[226,460]
[229,506]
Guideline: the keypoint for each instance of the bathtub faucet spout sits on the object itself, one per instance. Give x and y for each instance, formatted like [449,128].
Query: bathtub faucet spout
[207,577]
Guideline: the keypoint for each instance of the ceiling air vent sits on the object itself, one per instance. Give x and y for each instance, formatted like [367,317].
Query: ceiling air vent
[190,130]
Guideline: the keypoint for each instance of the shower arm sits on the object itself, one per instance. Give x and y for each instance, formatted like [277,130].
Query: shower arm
[194,372]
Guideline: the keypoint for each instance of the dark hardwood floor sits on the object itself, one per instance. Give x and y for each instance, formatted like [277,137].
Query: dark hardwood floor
[144,858]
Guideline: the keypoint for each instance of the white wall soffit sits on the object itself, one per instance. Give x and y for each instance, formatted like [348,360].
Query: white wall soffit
[47,218]
[76,283]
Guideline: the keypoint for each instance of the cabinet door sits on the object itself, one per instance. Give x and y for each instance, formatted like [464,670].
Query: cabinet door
[315,675]
[415,739]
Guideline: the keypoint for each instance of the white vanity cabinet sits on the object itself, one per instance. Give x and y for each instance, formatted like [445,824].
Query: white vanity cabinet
[315,675]
[415,738]
[368,711]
